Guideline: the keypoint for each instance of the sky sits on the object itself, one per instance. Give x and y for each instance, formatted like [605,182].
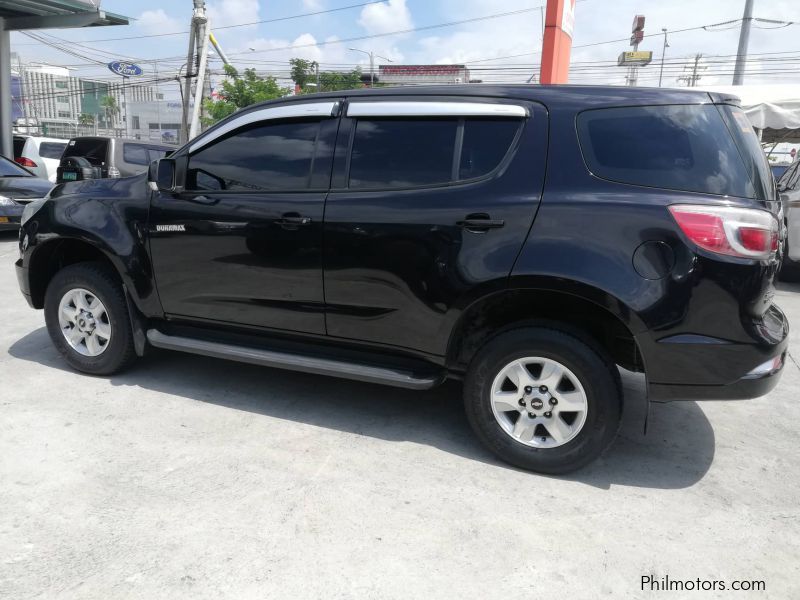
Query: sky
[500,49]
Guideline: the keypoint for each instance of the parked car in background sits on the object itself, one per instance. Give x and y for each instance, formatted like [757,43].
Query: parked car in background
[779,169]
[18,187]
[525,240]
[789,190]
[40,155]
[109,157]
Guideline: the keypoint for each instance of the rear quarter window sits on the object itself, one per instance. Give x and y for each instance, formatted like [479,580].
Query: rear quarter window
[51,149]
[135,154]
[686,148]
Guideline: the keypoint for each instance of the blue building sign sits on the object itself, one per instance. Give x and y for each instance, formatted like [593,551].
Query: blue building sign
[125,69]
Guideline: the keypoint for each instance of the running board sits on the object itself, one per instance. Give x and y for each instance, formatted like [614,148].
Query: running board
[296,362]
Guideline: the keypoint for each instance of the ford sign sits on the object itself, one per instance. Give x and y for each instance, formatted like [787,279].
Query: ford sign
[125,69]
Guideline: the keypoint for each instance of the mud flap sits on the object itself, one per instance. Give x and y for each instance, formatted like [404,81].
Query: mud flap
[137,325]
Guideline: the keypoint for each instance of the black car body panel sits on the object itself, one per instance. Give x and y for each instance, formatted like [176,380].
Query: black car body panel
[398,271]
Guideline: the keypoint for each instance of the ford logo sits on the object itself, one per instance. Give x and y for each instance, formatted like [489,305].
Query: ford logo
[125,69]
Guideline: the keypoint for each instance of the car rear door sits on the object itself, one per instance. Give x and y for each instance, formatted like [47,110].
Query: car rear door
[243,242]
[431,201]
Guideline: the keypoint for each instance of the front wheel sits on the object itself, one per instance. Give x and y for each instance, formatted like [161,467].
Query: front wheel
[87,319]
[543,399]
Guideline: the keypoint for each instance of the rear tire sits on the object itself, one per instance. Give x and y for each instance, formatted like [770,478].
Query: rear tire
[583,385]
[87,319]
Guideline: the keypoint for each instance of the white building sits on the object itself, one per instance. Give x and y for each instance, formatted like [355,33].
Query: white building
[422,74]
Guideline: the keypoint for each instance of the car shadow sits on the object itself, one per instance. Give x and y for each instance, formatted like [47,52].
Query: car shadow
[676,452]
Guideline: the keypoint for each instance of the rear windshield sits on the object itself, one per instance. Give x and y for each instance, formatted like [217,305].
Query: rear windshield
[92,149]
[687,148]
[19,144]
[51,149]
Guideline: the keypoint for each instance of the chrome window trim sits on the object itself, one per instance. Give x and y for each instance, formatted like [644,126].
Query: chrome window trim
[413,108]
[287,111]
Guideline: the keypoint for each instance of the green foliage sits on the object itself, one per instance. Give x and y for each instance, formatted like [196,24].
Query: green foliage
[332,81]
[302,71]
[85,119]
[304,75]
[240,91]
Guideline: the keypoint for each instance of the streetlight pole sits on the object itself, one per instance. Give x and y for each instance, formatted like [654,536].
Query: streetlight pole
[372,56]
[663,52]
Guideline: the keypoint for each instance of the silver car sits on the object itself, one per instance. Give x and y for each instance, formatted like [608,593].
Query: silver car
[789,189]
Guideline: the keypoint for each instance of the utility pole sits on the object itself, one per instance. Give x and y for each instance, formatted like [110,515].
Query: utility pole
[372,56]
[744,42]
[691,80]
[198,17]
[663,52]
[203,32]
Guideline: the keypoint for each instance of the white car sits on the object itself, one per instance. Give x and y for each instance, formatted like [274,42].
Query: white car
[789,189]
[40,155]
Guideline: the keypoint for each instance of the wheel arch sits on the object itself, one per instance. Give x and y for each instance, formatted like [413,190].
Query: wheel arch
[53,255]
[573,306]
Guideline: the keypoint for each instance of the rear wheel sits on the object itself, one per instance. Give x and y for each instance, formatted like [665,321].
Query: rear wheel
[87,319]
[543,399]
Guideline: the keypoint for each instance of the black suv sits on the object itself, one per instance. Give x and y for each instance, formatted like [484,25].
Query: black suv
[100,157]
[525,240]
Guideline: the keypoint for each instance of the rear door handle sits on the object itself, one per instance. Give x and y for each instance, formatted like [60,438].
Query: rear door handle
[480,223]
[204,200]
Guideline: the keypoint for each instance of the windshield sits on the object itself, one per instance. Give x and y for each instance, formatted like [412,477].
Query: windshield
[10,169]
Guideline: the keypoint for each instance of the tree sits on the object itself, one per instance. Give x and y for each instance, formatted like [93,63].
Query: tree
[85,119]
[333,81]
[240,91]
[110,108]
[302,72]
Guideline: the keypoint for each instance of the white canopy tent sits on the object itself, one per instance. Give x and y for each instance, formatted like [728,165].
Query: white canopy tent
[774,110]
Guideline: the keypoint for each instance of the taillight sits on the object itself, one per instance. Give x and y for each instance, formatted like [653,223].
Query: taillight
[113,172]
[24,161]
[733,231]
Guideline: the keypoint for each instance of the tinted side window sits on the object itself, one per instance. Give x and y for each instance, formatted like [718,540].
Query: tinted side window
[785,181]
[273,156]
[672,147]
[486,142]
[156,153]
[135,154]
[397,153]
[51,149]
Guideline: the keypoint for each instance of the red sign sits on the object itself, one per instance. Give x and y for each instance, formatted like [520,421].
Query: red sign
[638,23]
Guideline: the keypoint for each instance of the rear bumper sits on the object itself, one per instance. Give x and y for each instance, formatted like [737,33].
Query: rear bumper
[742,389]
[696,367]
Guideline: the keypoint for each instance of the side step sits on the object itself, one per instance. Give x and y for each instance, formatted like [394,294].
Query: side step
[296,362]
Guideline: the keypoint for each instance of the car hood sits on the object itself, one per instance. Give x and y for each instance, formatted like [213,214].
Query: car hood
[24,188]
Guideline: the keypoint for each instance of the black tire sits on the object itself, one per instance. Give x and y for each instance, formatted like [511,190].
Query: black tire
[593,368]
[102,282]
[790,271]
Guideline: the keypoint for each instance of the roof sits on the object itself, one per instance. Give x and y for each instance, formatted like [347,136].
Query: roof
[52,14]
[567,96]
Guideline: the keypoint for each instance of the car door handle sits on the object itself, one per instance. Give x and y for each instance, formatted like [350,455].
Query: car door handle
[480,223]
[292,221]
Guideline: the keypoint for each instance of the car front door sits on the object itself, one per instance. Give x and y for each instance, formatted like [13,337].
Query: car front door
[429,207]
[242,243]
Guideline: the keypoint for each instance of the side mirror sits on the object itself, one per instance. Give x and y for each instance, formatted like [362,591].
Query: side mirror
[162,175]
